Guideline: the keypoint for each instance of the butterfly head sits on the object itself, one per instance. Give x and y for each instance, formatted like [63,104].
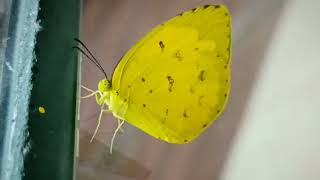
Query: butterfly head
[104,85]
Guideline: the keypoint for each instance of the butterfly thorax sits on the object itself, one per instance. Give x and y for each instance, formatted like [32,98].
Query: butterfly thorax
[117,105]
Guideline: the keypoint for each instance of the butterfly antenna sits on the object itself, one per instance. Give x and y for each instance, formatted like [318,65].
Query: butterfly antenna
[91,57]
[84,53]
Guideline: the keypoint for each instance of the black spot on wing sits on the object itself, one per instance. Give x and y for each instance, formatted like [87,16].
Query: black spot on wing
[206,6]
[200,100]
[171,82]
[161,44]
[191,90]
[201,76]
[185,115]
[178,55]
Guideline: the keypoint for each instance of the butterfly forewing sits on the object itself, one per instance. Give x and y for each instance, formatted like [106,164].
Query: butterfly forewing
[176,80]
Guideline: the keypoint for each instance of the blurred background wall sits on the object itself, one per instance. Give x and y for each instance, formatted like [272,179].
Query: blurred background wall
[271,126]
[280,130]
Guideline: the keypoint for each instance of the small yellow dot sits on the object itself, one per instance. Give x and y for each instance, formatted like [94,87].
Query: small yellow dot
[42,110]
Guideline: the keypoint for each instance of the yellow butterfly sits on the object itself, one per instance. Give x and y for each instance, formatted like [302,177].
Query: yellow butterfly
[175,81]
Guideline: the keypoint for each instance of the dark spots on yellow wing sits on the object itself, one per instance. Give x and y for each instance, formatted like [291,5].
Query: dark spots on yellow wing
[218,55]
[143,79]
[218,111]
[161,44]
[144,105]
[217,6]
[191,90]
[200,100]
[167,112]
[196,49]
[225,14]
[201,76]
[228,25]
[117,93]
[178,55]
[225,95]
[171,82]
[205,125]
[125,100]
[180,14]
[186,140]
[163,120]
[227,80]
[225,66]
[129,86]
[228,49]
[185,115]
[150,91]
[206,6]
[228,36]
[194,9]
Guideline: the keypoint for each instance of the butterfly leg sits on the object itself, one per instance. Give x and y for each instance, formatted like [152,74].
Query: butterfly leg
[90,90]
[87,96]
[100,98]
[114,134]
[119,122]
[99,120]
